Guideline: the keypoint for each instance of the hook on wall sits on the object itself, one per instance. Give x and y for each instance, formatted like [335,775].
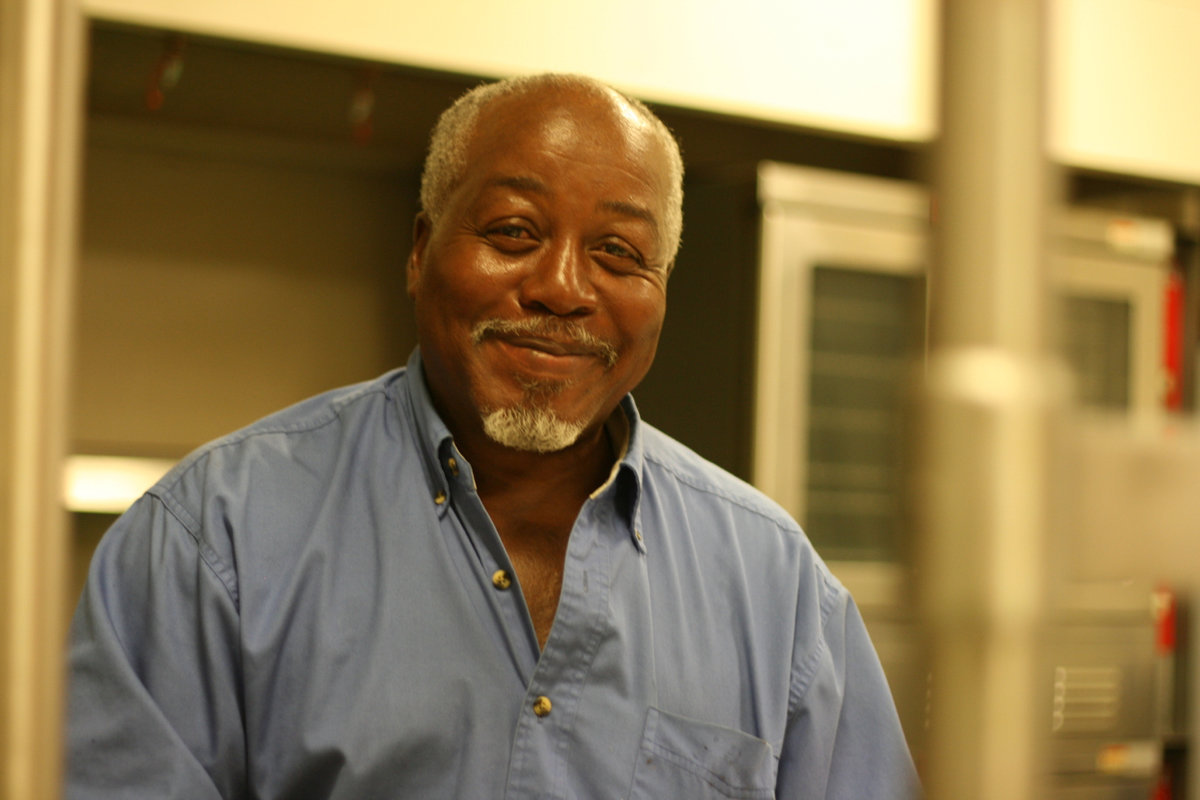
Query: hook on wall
[362,106]
[166,72]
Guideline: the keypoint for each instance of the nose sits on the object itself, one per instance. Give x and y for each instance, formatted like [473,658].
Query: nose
[559,282]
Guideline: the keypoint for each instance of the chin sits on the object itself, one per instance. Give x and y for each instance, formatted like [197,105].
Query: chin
[532,430]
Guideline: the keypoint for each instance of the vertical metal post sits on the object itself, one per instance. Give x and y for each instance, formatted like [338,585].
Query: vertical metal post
[981,555]
[41,51]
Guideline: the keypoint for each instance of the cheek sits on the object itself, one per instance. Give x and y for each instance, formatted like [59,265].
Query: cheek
[448,297]
[643,322]
[652,310]
[474,284]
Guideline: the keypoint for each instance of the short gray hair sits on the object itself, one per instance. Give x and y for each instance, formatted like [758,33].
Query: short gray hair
[447,158]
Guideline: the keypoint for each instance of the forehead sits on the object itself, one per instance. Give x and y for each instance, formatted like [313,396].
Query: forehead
[579,130]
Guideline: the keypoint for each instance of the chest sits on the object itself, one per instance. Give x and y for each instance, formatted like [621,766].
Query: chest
[540,576]
[422,683]
[537,548]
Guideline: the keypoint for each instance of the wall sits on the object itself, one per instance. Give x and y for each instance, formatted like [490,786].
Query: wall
[857,65]
[1123,92]
[1121,77]
[215,289]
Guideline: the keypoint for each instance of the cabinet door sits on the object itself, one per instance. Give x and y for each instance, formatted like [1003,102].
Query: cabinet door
[867,332]
[842,317]
[841,326]
[1111,328]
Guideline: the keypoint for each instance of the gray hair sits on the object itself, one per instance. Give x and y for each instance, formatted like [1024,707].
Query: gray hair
[447,158]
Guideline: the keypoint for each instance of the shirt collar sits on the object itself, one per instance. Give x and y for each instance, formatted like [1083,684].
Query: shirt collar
[624,483]
[623,487]
[433,437]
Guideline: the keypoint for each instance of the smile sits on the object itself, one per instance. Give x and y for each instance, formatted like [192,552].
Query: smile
[549,340]
[551,347]
[541,360]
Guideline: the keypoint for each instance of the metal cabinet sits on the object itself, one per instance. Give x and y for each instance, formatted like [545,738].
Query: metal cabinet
[843,296]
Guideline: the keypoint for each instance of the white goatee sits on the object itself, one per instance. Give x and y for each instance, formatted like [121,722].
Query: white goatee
[534,430]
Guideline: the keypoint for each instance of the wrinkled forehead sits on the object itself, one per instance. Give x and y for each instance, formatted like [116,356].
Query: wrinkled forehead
[598,139]
[597,125]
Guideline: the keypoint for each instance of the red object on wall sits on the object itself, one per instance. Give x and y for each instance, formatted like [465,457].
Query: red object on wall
[1164,790]
[1165,619]
[166,72]
[1173,341]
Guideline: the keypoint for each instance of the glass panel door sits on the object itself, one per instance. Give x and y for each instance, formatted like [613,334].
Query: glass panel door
[867,329]
[1095,342]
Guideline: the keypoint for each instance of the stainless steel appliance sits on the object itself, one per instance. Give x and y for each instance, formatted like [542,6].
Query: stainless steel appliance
[842,300]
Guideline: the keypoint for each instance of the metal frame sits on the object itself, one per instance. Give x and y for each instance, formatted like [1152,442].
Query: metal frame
[41,91]
[814,217]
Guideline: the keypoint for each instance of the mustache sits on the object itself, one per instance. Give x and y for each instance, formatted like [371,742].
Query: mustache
[557,330]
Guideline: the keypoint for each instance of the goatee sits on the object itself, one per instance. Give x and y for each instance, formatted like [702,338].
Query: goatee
[533,430]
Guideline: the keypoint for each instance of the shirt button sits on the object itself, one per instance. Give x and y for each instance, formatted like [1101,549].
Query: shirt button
[501,579]
[452,463]
[542,706]
[439,498]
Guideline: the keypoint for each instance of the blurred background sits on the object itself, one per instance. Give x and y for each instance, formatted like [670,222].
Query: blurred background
[207,208]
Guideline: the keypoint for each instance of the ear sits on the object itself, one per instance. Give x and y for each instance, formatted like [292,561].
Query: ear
[422,227]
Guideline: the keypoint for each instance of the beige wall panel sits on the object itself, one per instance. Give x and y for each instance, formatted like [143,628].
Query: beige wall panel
[215,291]
[864,66]
[1123,86]
[1121,72]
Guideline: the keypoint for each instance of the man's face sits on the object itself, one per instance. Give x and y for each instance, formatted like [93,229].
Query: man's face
[542,286]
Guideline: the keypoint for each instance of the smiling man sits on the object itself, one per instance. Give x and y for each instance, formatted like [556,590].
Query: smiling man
[484,575]
[539,278]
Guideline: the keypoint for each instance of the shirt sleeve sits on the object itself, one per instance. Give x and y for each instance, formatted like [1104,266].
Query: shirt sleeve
[154,705]
[844,740]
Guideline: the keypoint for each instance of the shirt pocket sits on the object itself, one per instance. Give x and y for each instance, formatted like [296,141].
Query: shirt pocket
[681,757]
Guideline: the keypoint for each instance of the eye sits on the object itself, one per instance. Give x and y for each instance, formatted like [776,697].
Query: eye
[616,255]
[511,236]
[614,249]
[510,231]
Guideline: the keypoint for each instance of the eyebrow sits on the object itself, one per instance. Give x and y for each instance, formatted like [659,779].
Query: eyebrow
[629,210]
[526,183]
[518,182]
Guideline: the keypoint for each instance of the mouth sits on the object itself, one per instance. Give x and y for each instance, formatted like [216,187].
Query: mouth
[550,342]
[550,346]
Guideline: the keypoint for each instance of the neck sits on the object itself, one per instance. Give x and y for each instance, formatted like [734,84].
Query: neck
[534,499]
[568,475]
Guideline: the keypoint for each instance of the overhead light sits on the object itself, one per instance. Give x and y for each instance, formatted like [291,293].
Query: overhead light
[109,484]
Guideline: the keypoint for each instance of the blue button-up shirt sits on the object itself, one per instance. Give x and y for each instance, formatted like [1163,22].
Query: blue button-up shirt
[317,606]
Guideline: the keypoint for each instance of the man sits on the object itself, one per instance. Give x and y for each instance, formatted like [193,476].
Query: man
[484,575]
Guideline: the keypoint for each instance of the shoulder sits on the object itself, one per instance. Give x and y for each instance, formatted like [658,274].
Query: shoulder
[669,463]
[309,415]
[731,525]
[270,477]
[724,515]
[743,544]
[279,463]
[331,413]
